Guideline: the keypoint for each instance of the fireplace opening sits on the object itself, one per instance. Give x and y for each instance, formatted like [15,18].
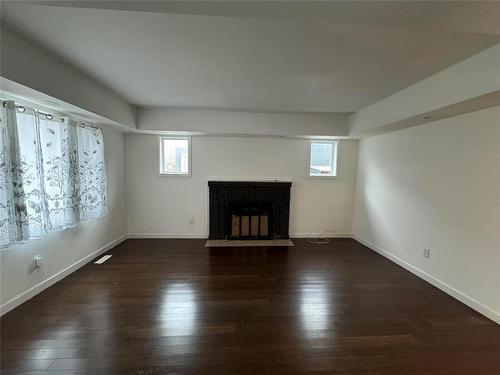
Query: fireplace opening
[250,221]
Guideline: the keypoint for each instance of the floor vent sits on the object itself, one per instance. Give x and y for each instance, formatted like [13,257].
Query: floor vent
[102,259]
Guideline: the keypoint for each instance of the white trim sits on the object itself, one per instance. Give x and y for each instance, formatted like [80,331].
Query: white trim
[335,159]
[34,290]
[169,235]
[469,301]
[205,236]
[102,259]
[317,235]
[160,157]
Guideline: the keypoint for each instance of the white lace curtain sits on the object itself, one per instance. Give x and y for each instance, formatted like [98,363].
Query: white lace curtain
[52,174]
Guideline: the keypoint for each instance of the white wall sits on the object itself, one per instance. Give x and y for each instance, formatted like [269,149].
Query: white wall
[162,206]
[57,78]
[219,122]
[65,248]
[473,82]
[437,186]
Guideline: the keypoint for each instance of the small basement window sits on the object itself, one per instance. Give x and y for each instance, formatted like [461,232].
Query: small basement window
[175,156]
[323,158]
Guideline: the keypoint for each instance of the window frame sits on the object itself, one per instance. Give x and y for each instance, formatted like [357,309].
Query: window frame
[160,156]
[335,158]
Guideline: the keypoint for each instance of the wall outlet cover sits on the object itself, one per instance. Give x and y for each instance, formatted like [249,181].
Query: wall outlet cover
[38,261]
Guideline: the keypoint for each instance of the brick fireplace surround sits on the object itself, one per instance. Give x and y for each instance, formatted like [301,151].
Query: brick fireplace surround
[225,194]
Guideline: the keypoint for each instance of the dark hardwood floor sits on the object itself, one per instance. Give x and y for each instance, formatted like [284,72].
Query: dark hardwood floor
[173,306]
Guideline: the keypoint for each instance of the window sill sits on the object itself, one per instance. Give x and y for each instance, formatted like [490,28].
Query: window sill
[323,177]
[174,174]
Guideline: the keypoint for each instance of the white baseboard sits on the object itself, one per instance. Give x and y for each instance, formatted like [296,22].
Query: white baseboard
[205,236]
[469,301]
[169,235]
[315,235]
[33,291]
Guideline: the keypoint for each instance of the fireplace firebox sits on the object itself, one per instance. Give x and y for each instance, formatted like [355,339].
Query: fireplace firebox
[250,220]
[249,210]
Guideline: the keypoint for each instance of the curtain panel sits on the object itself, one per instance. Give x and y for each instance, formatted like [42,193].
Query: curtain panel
[52,174]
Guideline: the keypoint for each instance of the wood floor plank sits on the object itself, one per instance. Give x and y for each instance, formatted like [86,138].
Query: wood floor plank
[174,306]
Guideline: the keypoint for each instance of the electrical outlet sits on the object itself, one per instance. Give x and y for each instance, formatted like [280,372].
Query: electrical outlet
[427,252]
[38,261]
[191,221]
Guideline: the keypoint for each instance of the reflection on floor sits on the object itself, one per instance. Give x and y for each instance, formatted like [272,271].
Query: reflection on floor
[248,243]
[174,306]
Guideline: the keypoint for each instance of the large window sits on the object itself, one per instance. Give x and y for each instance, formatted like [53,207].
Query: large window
[323,158]
[175,156]
[52,173]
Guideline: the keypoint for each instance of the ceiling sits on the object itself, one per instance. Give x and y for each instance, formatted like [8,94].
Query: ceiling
[334,56]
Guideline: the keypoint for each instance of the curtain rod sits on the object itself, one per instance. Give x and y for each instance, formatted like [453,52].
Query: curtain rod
[47,115]
[84,125]
[22,108]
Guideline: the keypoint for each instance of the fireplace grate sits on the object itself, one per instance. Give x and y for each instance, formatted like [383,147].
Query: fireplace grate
[250,223]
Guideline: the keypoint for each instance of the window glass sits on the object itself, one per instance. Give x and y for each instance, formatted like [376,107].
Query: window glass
[175,156]
[323,159]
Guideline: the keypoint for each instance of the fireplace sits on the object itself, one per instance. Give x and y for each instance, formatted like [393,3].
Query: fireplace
[249,210]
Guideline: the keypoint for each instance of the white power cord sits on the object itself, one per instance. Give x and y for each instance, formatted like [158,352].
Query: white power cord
[320,239]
